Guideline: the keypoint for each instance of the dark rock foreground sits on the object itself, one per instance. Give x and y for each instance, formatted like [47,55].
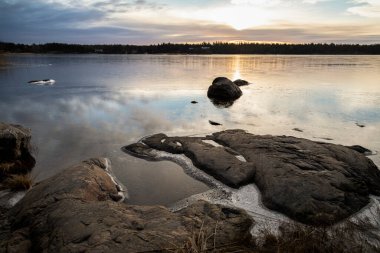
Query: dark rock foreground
[15,150]
[311,182]
[75,211]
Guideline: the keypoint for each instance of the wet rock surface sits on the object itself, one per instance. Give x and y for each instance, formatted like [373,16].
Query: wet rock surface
[74,211]
[15,150]
[312,182]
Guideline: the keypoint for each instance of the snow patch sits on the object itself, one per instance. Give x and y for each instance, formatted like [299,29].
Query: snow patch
[215,144]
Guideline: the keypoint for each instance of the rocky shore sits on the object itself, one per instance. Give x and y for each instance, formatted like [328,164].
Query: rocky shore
[84,207]
[311,182]
[76,211]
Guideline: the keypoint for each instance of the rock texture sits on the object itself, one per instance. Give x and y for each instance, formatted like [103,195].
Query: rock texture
[74,211]
[312,182]
[15,150]
[223,89]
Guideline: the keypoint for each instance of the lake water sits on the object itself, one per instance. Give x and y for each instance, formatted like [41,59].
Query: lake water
[100,103]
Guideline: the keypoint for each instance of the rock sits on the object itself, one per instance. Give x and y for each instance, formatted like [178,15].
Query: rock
[240,82]
[312,182]
[360,149]
[15,150]
[194,102]
[327,138]
[73,211]
[223,89]
[297,129]
[360,125]
[214,123]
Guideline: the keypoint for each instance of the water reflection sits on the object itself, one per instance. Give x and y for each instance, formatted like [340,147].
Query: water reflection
[222,103]
[101,103]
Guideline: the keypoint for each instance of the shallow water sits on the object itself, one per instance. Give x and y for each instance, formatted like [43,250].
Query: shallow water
[100,103]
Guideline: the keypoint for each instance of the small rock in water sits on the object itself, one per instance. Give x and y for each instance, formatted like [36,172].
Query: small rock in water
[214,123]
[194,102]
[360,125]
[297,129]
[240,82]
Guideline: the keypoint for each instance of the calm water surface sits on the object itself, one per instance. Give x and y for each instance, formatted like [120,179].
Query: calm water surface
[100,103]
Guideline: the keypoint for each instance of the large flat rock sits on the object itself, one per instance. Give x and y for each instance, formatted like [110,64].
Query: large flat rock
[75,211]
[312,182]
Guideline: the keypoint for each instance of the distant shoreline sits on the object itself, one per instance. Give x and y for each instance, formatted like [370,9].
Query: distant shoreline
[216,48]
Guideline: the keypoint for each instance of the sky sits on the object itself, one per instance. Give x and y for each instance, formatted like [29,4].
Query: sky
[151,22]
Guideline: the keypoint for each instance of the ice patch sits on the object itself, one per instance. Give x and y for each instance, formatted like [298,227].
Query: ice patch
[215,144]
[187,166]
[241,158]
[16,198]
[43,82]
[246,197]
[121,190]
[9,198]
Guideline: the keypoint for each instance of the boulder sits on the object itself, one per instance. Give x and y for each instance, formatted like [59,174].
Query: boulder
[223,89]
[15,150]
[74,211]
[312,182]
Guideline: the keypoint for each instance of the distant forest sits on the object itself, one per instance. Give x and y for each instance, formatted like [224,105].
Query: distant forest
[202,48]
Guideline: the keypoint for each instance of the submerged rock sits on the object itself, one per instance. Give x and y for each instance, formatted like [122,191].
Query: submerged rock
[74,211]
[311,182]
[15,150]
[223,89]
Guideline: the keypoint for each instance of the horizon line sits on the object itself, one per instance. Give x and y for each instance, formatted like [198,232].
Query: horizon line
[237,42]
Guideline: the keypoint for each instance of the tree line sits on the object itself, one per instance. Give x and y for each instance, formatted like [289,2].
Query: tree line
[200,48]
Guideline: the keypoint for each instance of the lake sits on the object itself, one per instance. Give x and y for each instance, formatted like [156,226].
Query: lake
[100,103]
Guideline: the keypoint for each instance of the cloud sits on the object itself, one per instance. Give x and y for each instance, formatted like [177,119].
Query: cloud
[38,22]
[123,6]
[315,1]
[275,2]
[366,8]
[147,22]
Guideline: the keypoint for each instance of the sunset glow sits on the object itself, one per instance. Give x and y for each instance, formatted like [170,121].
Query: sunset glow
[148,21]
